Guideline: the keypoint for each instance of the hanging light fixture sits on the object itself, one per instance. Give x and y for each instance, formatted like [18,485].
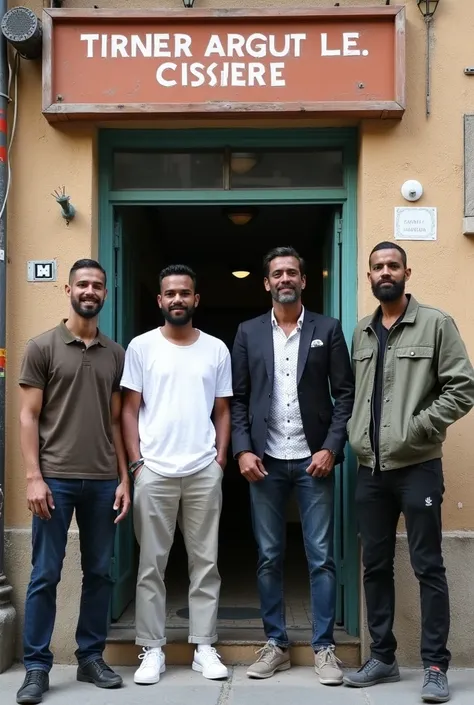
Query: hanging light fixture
[242,162]
[240,217]
[188,3]
[428,9]
[240,273]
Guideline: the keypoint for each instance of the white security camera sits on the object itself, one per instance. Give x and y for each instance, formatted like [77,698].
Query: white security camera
[412,190]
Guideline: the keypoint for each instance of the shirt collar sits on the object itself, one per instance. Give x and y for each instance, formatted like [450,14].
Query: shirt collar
[69,338]
[299,322]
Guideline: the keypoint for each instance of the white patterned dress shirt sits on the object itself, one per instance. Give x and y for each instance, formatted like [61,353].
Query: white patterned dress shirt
[285,437]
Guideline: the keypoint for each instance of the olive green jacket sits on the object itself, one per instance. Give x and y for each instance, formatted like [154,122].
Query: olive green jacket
[428,384]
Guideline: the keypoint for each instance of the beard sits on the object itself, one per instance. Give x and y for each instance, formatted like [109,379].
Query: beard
[181,320]
[388,294]
[84,310]
[286,297]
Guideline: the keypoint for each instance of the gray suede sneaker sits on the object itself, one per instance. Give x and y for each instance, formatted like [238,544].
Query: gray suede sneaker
[371,673]
[435,686]
[270,659]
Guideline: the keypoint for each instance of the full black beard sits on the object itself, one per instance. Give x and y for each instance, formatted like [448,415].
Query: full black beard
[182,320]
[388,294]
[86,313]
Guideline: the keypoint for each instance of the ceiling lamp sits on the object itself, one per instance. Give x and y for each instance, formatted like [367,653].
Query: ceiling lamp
[188,3]
[240,217]
[242,162]
[240,273]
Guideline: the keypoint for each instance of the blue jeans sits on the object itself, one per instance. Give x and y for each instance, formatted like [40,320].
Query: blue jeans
[93,502]
[269,498]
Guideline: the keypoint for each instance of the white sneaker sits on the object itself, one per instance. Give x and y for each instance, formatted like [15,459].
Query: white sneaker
[152,666]
[208,662]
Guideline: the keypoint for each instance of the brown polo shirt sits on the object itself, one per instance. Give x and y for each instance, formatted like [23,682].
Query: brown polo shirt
[75,429]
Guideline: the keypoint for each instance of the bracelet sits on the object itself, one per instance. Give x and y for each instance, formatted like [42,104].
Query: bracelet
[134,466]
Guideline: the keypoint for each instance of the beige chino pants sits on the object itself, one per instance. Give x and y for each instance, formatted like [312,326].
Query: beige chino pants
[156,504]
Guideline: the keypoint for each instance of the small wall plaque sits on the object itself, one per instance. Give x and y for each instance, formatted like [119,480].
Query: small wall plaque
[415,223]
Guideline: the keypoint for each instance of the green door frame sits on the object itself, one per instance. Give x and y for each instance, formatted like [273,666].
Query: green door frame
[247,139]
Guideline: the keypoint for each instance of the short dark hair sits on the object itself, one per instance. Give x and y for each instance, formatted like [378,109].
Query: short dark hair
[178,270]
[282,252]
[386,245]
[86,264]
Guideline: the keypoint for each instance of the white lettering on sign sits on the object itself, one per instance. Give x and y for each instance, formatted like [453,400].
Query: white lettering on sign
[349,45]
[231,55]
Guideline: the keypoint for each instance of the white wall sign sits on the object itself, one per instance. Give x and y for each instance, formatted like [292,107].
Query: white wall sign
[43,270]
[415,223]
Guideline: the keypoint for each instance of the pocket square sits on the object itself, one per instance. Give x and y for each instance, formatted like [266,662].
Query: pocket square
[317,343]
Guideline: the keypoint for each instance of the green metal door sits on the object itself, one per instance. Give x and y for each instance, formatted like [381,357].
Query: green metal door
[345,537]
[124,559]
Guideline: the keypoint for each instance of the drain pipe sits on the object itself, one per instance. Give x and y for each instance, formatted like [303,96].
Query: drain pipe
[7,612]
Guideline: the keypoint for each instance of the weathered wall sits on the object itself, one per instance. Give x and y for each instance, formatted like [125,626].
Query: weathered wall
[430,150]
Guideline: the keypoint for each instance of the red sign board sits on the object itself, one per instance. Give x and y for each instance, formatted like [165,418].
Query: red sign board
[123,63]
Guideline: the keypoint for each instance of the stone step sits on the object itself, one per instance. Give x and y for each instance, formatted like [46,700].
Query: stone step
[236,647]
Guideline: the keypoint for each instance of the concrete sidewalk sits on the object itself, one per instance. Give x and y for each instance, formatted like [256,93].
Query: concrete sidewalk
[181,686]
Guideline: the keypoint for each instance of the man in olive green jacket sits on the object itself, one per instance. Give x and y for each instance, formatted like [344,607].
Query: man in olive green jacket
[413,380]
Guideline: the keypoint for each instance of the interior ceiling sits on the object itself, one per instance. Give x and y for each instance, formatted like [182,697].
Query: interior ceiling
[207,234]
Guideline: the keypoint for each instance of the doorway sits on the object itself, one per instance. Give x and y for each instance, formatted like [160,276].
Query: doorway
[155,227]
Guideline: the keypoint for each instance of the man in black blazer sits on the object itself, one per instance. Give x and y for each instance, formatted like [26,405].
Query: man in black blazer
[293,395]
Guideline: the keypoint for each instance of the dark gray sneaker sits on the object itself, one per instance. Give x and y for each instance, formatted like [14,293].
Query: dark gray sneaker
[435,686]
[371,673]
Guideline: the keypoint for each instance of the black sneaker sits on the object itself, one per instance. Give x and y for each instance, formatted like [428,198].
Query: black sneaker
[35,684]
[372,672]
[98,673]
[435,686]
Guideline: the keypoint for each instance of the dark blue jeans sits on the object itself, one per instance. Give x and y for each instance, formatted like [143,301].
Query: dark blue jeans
[93,502]
[269,499]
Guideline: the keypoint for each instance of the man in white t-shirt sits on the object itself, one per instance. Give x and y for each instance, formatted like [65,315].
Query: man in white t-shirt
[175,378]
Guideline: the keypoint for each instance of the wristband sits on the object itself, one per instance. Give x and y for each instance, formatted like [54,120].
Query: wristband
[132,467]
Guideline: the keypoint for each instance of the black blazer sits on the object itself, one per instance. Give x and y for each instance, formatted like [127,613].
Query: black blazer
[323,371]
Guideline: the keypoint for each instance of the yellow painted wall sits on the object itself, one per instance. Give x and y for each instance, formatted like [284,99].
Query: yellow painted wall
[431,150]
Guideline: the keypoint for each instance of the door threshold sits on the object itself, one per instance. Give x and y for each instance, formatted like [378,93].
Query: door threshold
[237,646]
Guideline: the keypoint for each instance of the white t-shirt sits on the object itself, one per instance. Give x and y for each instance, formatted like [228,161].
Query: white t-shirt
[178,384]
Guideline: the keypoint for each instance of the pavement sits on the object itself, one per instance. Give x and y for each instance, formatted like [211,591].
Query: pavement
[182,686]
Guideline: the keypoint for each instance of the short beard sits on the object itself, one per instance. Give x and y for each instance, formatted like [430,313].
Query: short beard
[388,294]
[86,313]
[181,320]
[289,298]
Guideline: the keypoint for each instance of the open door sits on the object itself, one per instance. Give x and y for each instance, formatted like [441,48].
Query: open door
[345,533]
[125,551]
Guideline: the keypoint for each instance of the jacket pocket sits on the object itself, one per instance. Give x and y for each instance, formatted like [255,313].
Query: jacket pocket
[362,354]
[416,352]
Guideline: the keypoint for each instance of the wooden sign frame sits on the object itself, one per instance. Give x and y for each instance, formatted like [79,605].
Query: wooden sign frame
[54,108]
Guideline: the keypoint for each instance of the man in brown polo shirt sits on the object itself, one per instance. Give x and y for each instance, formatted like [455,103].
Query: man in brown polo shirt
[73,454]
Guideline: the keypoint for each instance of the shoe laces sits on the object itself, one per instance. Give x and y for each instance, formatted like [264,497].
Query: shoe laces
[369,665]
[99,666]
[267,652]
[150,656]
[35,677]
[328,656]
[435,676]
[210,655]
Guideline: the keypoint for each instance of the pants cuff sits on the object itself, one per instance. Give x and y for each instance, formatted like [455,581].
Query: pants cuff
[442,666]
[37,667]
[152,643]
[202,639]
[320,647]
